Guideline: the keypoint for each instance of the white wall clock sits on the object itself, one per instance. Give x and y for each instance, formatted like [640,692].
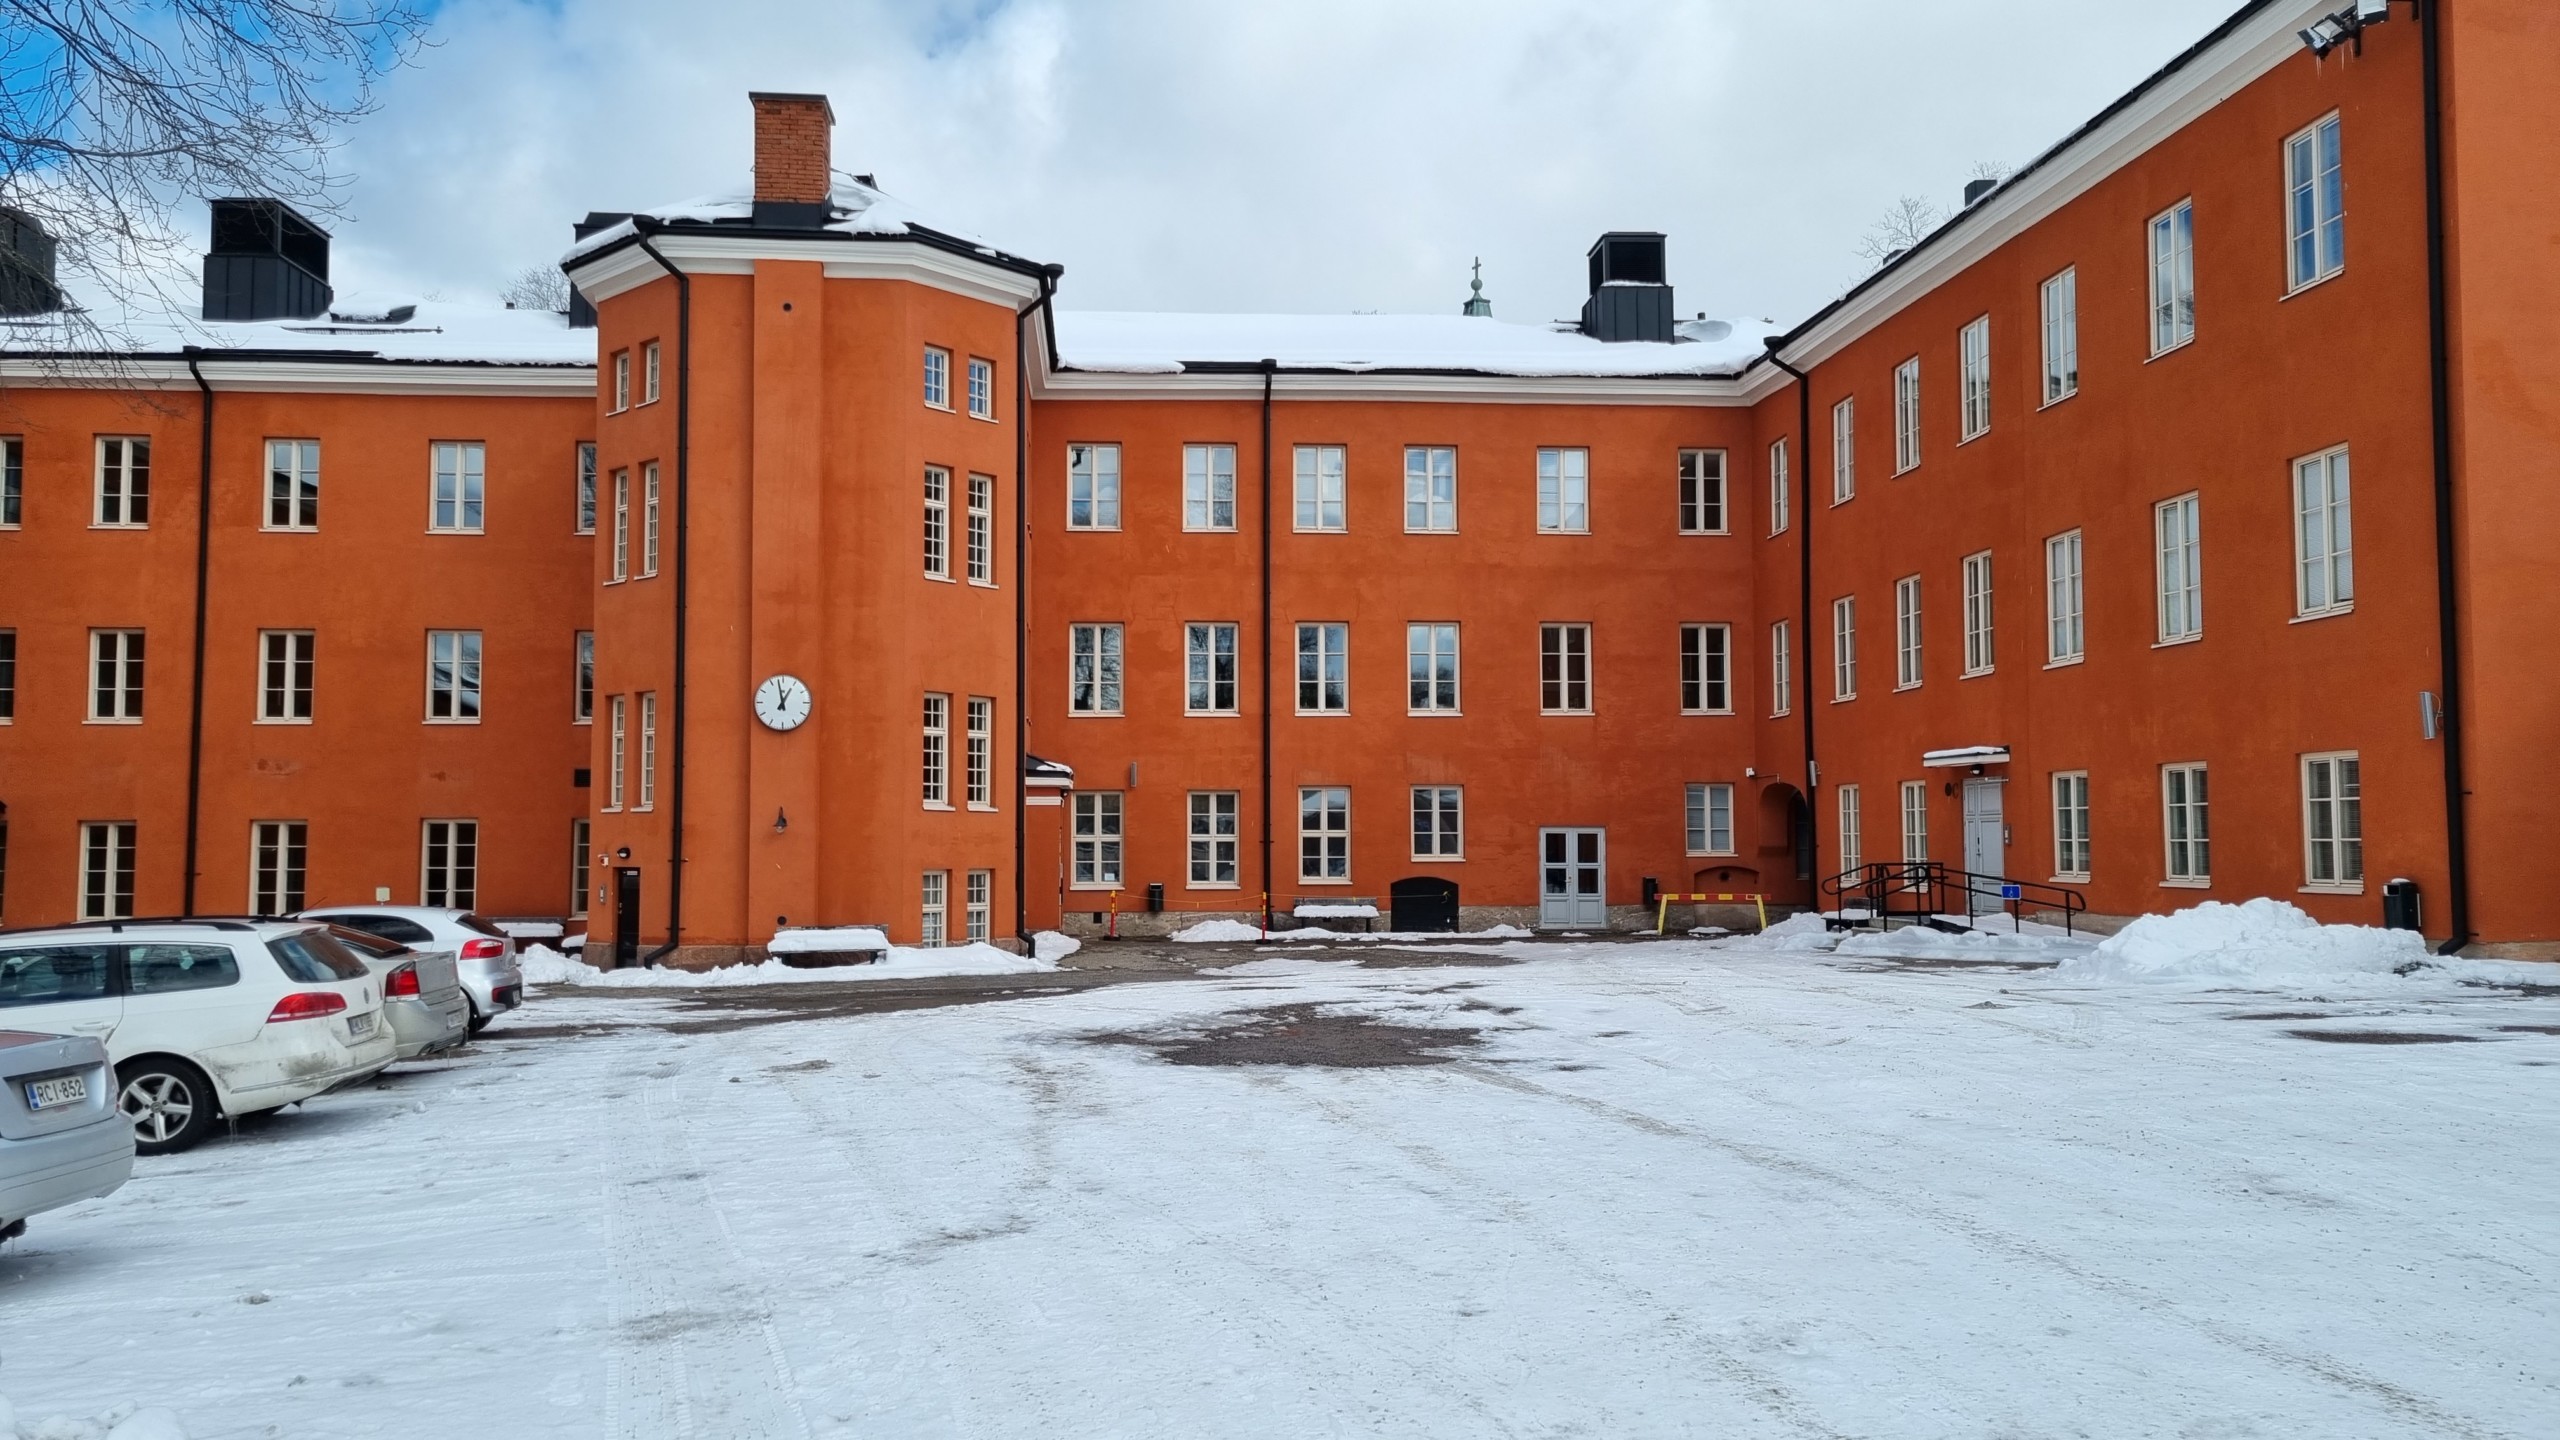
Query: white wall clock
[782,702]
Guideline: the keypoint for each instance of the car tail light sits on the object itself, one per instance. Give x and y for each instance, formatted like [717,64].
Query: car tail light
[307,1005]
[402,981]
[483,949]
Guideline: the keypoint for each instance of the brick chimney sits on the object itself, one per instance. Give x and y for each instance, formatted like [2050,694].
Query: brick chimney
[794,143]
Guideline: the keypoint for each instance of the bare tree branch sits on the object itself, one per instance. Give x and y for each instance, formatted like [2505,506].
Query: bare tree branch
[1910,219]
[538,287]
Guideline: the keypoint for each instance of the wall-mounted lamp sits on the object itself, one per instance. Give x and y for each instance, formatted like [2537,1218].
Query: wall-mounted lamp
[622,854]
[2346,27]
[781,822]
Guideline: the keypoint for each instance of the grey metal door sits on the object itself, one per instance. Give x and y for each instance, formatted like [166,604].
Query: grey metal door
[1572,878]
[1985,839]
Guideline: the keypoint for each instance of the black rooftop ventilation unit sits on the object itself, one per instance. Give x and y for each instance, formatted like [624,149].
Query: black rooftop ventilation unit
[582,311]
[1630,288]
[267,263]
[26,266]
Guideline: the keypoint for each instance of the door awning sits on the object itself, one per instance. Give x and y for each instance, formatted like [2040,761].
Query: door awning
[1966,756]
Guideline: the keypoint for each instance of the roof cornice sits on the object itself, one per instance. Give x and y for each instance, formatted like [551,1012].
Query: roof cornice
[287,374]
[615,269]
[1245,383]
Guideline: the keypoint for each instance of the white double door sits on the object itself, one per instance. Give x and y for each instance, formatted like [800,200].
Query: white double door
[1573,885]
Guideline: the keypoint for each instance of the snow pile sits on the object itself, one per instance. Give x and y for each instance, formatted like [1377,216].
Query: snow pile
[1050,945]
[543,966]
[2256,940]
[833,939]
[1803,930]
[1218,932]
[127,1421]
[2036,944]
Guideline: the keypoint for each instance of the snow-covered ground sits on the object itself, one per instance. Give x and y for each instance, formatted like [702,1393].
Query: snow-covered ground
[1726,1189]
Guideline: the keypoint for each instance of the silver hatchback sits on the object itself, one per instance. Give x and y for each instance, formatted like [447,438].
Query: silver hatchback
[422,996]
[484,955]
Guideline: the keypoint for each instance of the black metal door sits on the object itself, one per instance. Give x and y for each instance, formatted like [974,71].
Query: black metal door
[626,916]
[1423,903]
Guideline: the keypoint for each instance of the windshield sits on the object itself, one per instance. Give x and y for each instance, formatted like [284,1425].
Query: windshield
[367,944]
[314,957]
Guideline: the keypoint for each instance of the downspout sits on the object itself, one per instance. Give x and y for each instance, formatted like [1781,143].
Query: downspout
[684,496]
[2457,845]
[1268,369]
[1803,478]
[195,681]
[1022,601]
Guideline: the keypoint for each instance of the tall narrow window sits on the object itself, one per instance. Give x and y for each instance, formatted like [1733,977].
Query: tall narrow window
[2180,569]
[1209,668]
[1906,415]
[583,706]
[982,388]
[648,751]
[978,918]
[2071,825]
[1844,450]
[1706,669]
[124,481]
[2065,637]
[1324,669]
[1915,819]
[937,378]
[1848,836]
[1977,614]
[618,709]
[978,754]
[2333,821]
[1710,814]
[1564,669]
[586,492]
[1093,487]
[1781,671]
[1702,492]
[278,853]
[1208,487]
[284,677]
[2173,276]
[1439,822]
[932,931]
[1323,502]
[1973,346]
[1094,853]
[449,864]
[13,481]
[982,529]
[1213,838]
[1906,632]
[2324,564]
[293,485]
[937,522]
[2184,824]
[1778,497]
[1844,648]
[580,831]
[937,752]
[106,870]
[1430,488]
[621,526]
[1564,492]
[621,380]
[453,676]
[2061,336]
[649,373]
[1431,667]
[649,519]
[1324,833]
[8,677]
[2316,204]
[1093,669]
[115,675]
[460,486]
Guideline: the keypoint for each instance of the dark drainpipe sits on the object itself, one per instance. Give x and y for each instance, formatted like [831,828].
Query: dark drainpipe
[1022,598]
[195,680]
[2457,843]
[1803,480]
[684,496]
[1269,368]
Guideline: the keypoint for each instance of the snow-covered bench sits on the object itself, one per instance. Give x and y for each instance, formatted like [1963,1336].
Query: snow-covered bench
[818,946]
[1351,907]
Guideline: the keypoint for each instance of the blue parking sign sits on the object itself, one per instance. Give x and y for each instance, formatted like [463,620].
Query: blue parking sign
[2012,892]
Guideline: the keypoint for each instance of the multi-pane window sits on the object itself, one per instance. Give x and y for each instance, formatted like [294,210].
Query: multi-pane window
[2184,824]
[2065,635]
[1848,836]
[1906,632]
[2315,204]
[1915,819]
[2173,276]
[1710,816]
[293,485]
[1431,667]
[1439,822]
[284,676]
[1564,491]
[124,481]
[278,851]
[1324,668]
[453,676]
[1702,492]
[2071,825]
[1977,613]
[621,524]
[1844,648]
[937,522]
[8,677]
[460,486]
[982,529]
[1906,415]
[1973,377]
[1093,669]
[1781,670]
[13,481]
[586,492]
[2333,821]
[932,930]
[977,916]
[2061,336]
[1322,493]
[1706,669]
[982,388]
[1209,668]
[2180,553]
[1844,450]
[2324,565]
[649,519]
[115,675]
[937,751]
[649,373]
[449,864]
[579,843]
[1564,669]
[1093,487]
[1430,487]
[1208,487]
[648,794]
[621,380]
[106,870]
[1094,852]
[616,754]
[978,753]
[1213,837]
[583,708]
[1324,833]
[1778,497]
[937,378]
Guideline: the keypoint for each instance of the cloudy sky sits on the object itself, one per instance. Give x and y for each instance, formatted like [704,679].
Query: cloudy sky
[1311,156]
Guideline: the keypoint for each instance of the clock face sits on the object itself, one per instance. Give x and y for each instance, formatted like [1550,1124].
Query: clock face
[782,702]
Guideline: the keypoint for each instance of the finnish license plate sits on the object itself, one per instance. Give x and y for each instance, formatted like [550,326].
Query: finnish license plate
[359,1026]
[60,1090]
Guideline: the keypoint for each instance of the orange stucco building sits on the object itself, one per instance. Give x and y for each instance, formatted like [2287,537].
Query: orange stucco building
[2109,540]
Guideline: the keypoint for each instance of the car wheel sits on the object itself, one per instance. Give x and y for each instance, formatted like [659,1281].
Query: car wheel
[169,1103]
[479,1018]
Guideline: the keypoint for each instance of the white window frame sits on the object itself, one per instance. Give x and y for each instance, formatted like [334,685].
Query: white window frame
[458,487]
[1093,483]
[459,694]
[1973,381]
[13,481]
[1844,649]
[1320,499]
[617,711]
[1215,836]
[107,854]
[455,883]
[2066,636]
[1908,650]
[1844,450]
[2333,822]
[1564,668]
[8,679]
[2059,299]
[1431,489]
[2177,526]
[2324,566]
[1781,504]
[982,396]
[1324,667]
[285,674]
[982,529]
[1706,668]
[2315,206]
[1702,493]
[978,907]
[649,520]
[1906,416]
[937,523]
[1096,657]
[293,486]
[1209,487]
[621,381]
[582,702]
[2071,826]
[2186,824]
[937,378]
[1781,670]
[1324,835]
[933,918]
[1980,649]
[1846,835]
[1709,818]
[116,676]
[647,796]
[1564,491]
[2172,243]
[1439,816]
[649,373]
[585,523]
[1205,644]
[621,528]
[1915,820]
[121,491]
[1098,835]
[1429,645]
[581,841]
[977,752]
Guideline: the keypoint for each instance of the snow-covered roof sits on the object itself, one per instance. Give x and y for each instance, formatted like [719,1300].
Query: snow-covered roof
[856,208]
[1131,343]
[427,331]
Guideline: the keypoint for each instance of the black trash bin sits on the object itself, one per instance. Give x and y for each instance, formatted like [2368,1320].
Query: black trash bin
[2400,905]
[1155,897]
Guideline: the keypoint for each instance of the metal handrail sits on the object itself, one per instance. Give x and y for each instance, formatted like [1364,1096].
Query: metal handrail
[1932,884]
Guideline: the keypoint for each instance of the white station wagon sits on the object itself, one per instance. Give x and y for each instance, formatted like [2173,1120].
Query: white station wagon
[201,1018]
